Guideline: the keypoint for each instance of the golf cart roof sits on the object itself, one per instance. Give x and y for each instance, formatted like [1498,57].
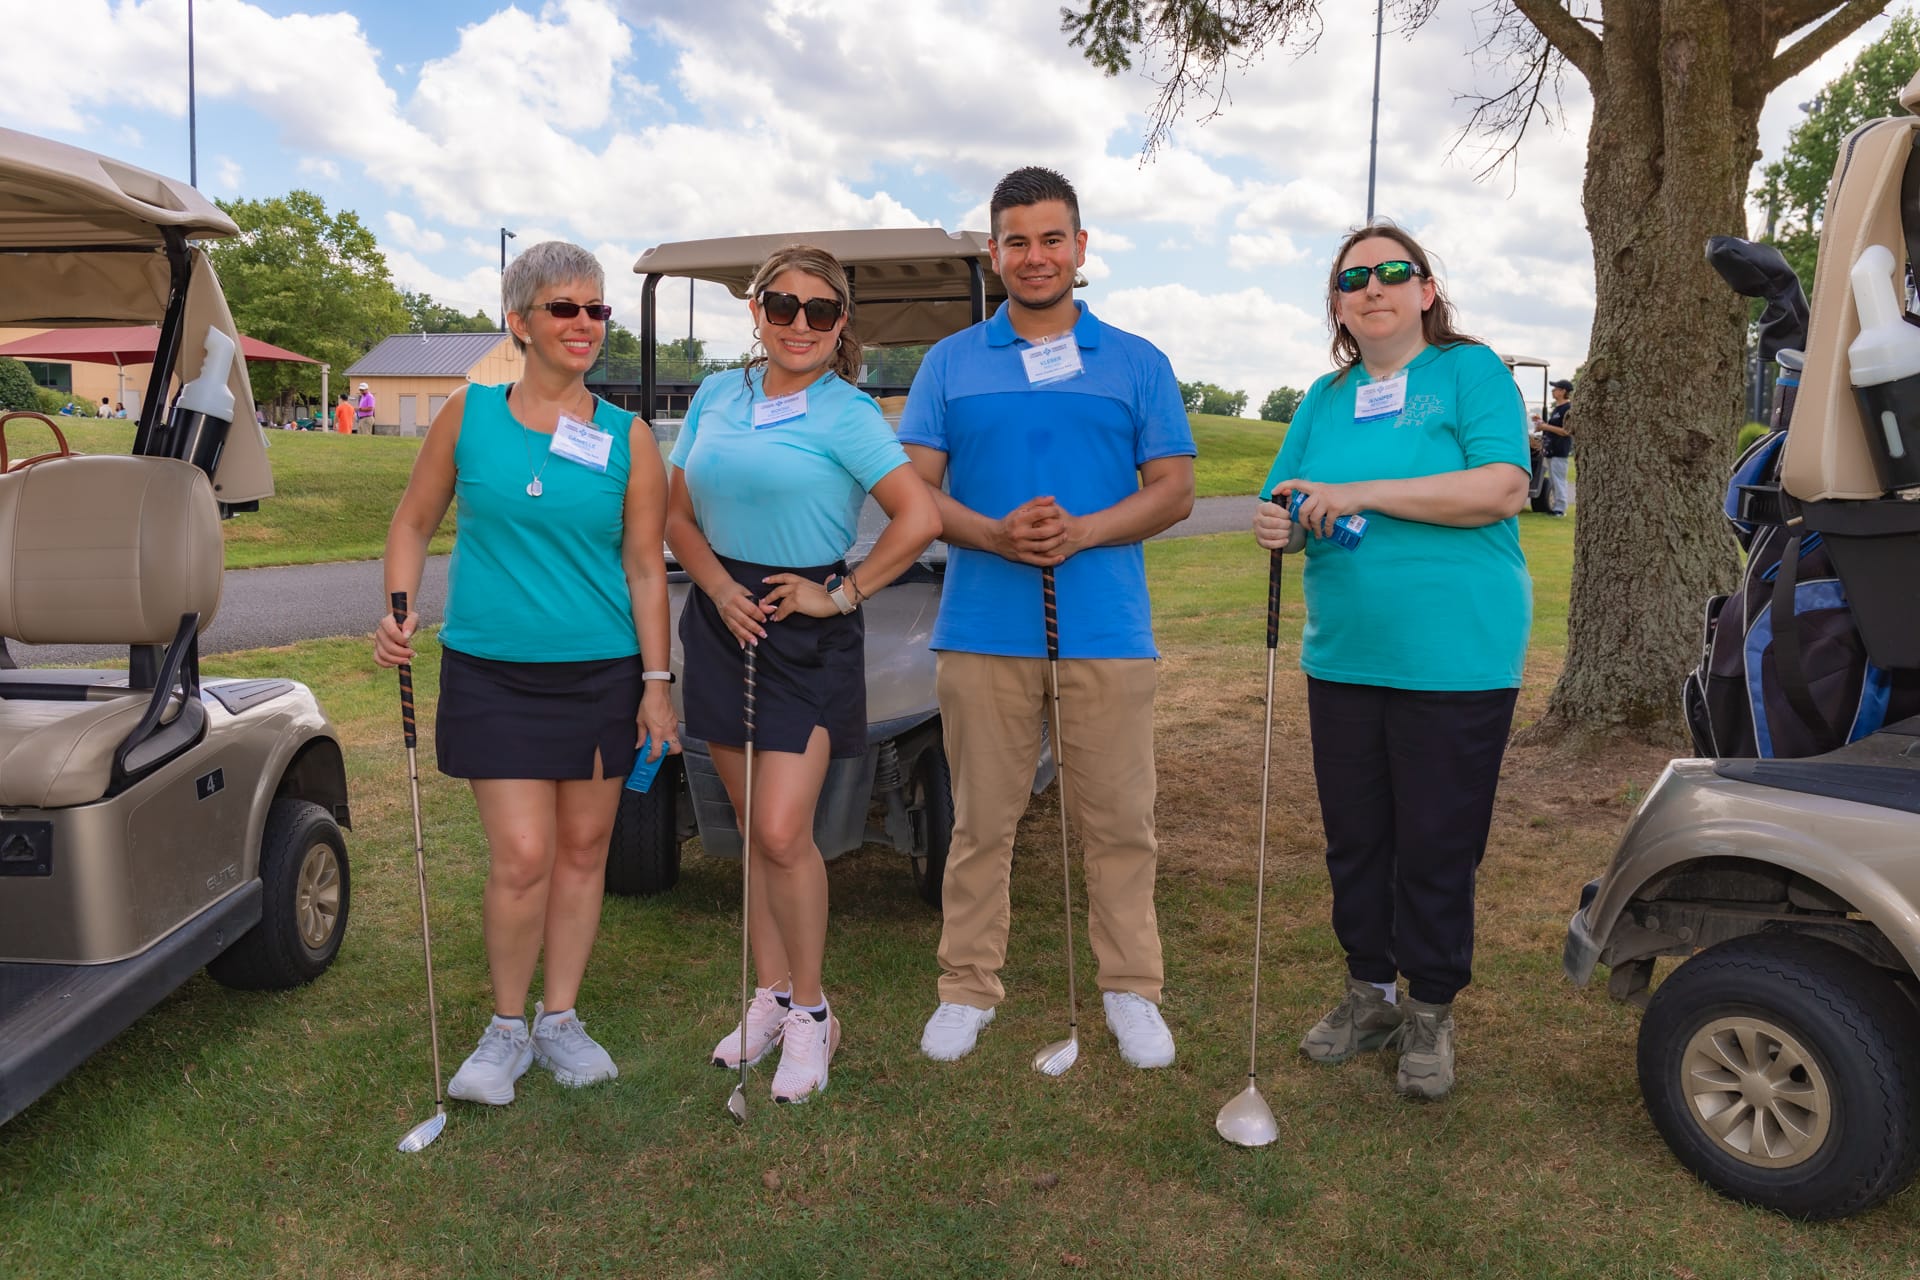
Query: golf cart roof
[86,240]
[910,284]
[1523,362]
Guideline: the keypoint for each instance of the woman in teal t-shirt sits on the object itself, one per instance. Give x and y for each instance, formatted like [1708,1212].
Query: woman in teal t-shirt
[1414,640]
[767,480]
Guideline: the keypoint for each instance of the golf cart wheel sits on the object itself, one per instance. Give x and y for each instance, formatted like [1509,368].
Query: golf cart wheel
[643,854]
[305,892]
[1785,1072]
[930,815]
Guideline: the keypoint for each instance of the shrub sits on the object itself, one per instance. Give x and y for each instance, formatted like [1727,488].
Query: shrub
[17,389]
[1748,434]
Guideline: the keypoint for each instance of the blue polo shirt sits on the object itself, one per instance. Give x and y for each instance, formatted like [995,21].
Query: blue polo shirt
[1415,605]
[1082,439]
[786,493]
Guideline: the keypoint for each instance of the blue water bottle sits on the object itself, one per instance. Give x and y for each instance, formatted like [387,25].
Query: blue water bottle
[1347,530]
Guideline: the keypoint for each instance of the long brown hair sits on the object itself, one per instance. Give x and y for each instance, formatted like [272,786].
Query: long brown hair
[825,268]
[1436,322]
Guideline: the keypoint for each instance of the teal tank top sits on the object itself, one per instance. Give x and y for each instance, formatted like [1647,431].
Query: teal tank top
[537,579]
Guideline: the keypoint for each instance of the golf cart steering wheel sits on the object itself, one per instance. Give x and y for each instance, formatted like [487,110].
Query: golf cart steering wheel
[6,465]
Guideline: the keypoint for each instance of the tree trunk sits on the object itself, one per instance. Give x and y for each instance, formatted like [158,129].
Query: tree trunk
[1675,129]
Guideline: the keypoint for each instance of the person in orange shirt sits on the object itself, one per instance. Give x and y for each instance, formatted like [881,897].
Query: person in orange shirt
[343,415]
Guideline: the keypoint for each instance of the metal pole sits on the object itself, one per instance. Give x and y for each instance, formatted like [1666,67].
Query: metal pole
[1373,140]
[505,235]
[193,145]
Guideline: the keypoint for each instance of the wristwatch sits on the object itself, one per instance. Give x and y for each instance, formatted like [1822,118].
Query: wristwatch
[838,592]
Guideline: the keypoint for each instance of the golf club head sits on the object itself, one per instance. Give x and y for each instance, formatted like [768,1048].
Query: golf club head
[737,1105]
[1057,1057]
[422,1134]
[1247,1120]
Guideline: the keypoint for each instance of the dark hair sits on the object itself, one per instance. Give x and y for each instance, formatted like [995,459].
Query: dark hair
[825,268]
[1436,323]
[1031,185]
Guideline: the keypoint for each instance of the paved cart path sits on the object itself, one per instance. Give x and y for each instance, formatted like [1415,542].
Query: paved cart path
[290,603]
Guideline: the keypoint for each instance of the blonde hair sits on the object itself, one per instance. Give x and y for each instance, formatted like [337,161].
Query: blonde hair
[825,268]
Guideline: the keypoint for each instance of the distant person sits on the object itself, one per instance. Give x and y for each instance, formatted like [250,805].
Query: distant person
[363,411]
[1415,638]
[343,415]
[106,409]
[119,410]
[556,621]
[1558,445]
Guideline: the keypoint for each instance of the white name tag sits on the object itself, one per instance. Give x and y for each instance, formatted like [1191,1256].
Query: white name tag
[771,413]
[577,442]
[1052,361]
[1377,400]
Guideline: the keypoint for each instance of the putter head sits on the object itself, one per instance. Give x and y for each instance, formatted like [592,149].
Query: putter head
[1057,1057]
[418,1137]
[1247,1120]
[737,1105]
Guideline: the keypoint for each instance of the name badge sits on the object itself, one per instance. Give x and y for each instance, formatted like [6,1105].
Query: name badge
[577,442]
[771,413]
[1377,400]
[1052,361]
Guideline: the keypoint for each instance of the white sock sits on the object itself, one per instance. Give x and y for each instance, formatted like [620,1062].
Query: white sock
[1388,989]
[548,1015]
[818,1012]
[512,1024]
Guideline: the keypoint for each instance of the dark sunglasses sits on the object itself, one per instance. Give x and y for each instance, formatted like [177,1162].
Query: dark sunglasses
[781,308]
[568,310]
[1399,271]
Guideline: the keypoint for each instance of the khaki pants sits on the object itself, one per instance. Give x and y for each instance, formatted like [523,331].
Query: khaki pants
[991,709]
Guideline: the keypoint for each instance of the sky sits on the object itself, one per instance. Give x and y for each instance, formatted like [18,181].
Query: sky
[620,124]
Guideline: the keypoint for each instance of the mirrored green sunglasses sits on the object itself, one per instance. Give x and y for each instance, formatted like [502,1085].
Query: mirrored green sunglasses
[1399,271]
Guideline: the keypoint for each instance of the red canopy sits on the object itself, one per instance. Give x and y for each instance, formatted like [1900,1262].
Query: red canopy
[123,346]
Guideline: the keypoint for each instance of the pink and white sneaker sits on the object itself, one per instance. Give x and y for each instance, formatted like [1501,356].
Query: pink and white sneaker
[765,1018]
[806,1048]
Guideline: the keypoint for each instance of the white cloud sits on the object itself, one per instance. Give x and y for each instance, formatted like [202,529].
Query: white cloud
[319,167]
[1247,340]
[228,174]
[409,234]
[1274,249]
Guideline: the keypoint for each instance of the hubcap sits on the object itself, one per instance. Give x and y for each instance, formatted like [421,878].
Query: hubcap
[1756,1091]
[316,904]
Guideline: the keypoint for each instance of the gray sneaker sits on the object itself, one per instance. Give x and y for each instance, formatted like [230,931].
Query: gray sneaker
[1360,1023]
[1426,1051]
[490,1070]
[563,1047]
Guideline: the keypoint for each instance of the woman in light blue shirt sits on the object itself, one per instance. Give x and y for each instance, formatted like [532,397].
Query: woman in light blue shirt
[766,483]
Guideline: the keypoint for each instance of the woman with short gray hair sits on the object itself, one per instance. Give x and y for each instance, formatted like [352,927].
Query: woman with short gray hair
[556,621]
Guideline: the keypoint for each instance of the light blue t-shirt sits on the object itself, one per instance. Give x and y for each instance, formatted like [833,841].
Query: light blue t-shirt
[1415,605]
[1082,439]
[537,579]
[783,493]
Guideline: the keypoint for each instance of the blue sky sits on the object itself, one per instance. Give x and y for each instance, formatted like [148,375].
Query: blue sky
[621,124]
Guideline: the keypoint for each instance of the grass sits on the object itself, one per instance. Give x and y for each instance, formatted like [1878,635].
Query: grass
[1235,453]
[333,495]
[230,1134]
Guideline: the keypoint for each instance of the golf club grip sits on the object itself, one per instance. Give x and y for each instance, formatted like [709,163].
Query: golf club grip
[753,653]
[1053,615]
[399,601]
[1273,597]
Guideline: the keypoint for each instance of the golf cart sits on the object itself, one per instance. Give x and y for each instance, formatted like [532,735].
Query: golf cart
[911,287]
[1781,1059]
[1539,492]
[151,823]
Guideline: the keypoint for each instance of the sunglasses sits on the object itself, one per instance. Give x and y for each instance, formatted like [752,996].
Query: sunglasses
[781,308]
[568,310]
[1399,271]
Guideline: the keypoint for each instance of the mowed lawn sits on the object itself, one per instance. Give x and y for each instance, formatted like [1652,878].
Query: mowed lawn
[244,1135]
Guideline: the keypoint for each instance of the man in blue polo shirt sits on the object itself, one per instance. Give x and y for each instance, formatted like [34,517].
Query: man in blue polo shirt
[1063,442]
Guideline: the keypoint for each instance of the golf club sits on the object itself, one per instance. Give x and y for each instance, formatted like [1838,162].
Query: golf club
[737,1104]
[1061,1054]
[1246,1120]
[427,1130]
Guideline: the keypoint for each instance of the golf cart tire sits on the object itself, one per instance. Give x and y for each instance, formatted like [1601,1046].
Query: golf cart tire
[301,851]
[930,811]
[643,854]
[1757,995]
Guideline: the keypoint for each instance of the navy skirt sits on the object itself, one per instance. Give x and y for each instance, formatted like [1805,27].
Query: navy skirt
[536,719]
[808,671]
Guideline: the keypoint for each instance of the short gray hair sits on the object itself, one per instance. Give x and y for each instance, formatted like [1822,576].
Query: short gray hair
[544,265]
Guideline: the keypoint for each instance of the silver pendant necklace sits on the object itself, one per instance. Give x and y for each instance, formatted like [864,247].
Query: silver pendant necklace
[534,488]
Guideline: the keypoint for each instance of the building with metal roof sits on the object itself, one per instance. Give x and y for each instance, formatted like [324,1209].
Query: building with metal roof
[412,374]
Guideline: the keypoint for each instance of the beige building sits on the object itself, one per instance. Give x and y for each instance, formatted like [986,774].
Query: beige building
[87,382]
[412,374]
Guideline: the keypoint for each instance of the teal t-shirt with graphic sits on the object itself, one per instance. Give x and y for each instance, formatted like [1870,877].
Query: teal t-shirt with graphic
[1415,605]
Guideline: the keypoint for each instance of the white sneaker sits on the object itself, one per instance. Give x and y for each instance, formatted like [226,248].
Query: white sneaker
[953,1030]
[765,1017]
[806,1048]
[504,1053]
[563,1047]
[1136,1023]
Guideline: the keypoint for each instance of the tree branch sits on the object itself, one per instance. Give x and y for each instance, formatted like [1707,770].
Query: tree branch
[1565,33]
[1848,19]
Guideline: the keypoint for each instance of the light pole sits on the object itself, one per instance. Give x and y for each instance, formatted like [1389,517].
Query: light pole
[193,146]
[505,235]
[1373,140]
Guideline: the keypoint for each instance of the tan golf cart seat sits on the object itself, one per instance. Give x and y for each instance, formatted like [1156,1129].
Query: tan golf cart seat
[102,550]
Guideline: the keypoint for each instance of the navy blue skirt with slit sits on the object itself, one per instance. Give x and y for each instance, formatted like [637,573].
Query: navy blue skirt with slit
[536,719]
